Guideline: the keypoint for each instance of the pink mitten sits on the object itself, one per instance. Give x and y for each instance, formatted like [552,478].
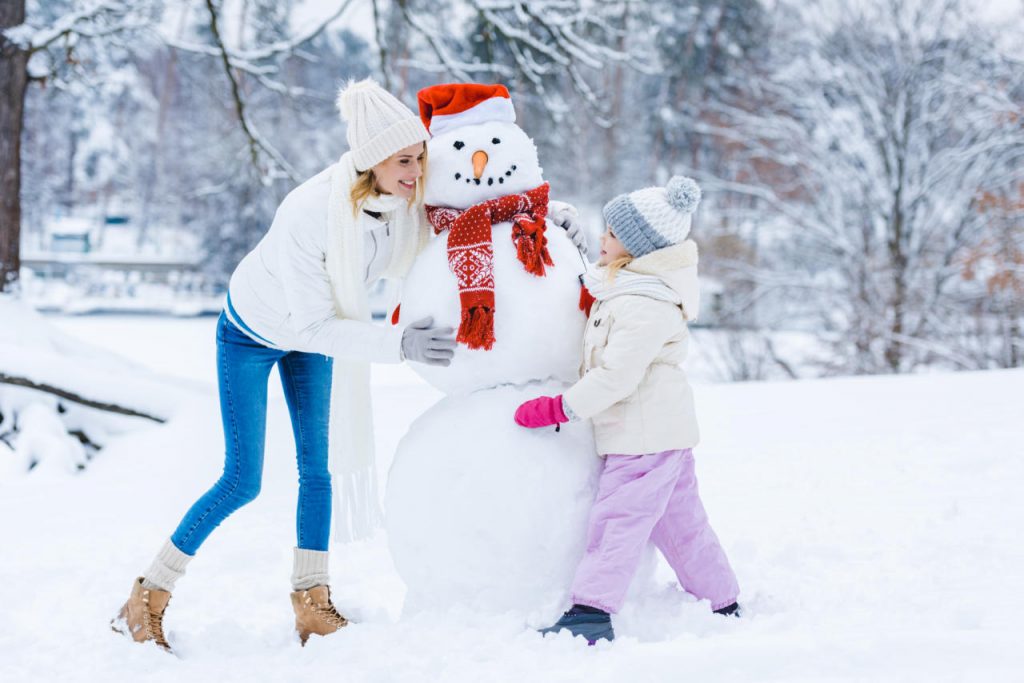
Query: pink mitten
[541,412]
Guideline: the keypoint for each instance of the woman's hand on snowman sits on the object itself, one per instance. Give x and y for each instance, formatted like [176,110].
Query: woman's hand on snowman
[565,216]
[424,343]
[541,412]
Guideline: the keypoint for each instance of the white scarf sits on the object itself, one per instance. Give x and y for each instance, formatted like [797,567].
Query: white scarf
[625,282]
[668,274]
[357,511]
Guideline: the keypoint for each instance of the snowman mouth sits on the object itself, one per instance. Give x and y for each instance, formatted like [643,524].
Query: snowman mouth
[489,180]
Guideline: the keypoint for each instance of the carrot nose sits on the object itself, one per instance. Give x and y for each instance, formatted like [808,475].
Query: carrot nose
[479,162]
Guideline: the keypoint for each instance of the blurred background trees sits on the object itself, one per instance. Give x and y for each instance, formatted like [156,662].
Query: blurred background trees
[862,162]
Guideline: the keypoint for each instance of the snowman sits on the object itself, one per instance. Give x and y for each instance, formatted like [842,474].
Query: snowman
[481,512]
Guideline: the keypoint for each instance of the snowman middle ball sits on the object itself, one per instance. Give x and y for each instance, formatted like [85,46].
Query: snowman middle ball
[538,325]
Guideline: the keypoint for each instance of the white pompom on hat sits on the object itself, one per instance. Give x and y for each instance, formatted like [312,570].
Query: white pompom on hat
[379,125]
[654,217]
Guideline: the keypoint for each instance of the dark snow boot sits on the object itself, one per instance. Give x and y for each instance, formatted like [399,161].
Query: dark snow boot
[732,610]
[589,622]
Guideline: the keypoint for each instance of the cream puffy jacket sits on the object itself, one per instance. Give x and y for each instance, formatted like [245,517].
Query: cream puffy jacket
[632,385]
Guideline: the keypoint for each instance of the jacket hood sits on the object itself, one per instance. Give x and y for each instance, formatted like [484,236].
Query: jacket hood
[676,266]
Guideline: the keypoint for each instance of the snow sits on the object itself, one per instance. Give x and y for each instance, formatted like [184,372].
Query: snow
[31,350]
[43,440]
[874,524]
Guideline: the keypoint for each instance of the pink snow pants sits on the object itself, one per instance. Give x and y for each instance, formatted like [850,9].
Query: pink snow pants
[650,497]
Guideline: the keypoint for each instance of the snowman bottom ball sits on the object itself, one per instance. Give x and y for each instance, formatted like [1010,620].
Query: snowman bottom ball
[484,513]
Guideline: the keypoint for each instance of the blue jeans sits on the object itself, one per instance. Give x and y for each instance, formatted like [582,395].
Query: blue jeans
[243,368]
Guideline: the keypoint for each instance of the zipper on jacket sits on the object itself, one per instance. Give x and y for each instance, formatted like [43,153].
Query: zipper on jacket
[373,257]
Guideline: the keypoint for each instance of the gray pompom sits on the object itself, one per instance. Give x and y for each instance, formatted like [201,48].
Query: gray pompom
[683,193]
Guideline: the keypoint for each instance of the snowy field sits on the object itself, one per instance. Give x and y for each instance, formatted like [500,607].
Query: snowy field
[875,524]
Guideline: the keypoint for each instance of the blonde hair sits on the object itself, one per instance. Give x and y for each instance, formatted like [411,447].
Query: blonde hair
[365,186]
[615,266]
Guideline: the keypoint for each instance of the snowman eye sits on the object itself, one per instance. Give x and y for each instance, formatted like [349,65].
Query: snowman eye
[459,144]
[496,141]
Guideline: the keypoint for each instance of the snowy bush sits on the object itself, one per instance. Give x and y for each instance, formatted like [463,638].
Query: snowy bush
[42,441]
[60,398]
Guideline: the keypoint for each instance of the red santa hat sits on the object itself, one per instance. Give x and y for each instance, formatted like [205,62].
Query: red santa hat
[451,105]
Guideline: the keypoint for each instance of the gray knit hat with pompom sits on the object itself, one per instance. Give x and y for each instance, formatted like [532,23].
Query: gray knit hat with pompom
[654,217]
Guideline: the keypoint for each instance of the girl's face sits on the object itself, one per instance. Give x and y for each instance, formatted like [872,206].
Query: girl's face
[611,247]
[398,173]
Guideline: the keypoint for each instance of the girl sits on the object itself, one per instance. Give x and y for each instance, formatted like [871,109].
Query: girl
[299,301]
[642,410]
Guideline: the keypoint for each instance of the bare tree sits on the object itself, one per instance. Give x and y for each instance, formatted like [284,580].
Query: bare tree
[263,63]
[869,150]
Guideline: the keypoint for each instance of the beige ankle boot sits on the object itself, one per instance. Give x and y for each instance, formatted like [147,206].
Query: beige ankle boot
[315,613]
[142,616]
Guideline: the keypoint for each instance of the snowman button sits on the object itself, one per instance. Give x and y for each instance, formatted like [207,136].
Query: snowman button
[597,321]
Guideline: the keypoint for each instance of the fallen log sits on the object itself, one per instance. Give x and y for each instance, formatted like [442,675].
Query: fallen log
[75,398]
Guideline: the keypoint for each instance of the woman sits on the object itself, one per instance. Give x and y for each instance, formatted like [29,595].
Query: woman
[299,301]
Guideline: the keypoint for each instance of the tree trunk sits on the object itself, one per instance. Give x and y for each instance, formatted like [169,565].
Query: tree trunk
[13,80]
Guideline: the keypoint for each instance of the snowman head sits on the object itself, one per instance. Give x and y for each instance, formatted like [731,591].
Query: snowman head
[477,152]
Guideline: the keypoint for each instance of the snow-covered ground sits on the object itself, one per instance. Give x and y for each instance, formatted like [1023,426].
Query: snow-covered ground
[875,524]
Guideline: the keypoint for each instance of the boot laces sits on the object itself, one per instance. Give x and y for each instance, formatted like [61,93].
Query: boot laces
[154,623]
[329,613]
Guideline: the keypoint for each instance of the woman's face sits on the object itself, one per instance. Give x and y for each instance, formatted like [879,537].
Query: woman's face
[398,173]
[611,247]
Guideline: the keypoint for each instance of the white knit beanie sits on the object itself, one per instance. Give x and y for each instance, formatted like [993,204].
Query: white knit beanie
[654,217]
[378,124]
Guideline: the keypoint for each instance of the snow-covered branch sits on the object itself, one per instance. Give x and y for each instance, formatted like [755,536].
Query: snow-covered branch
[257,142]
[67,395]
[249,60]
[99,19]
[559,47]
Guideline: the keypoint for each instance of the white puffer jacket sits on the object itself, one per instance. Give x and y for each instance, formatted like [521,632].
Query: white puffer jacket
[632,385]
[282,293]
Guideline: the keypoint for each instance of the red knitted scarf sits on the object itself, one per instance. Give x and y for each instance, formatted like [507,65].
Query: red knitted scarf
[471,253]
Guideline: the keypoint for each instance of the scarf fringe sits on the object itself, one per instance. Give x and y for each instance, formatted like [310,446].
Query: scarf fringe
[476,330]
[358,505]
[532,245]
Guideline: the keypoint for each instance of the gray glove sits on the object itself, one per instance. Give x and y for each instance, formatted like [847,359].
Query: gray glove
[566,216]
[424,343]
